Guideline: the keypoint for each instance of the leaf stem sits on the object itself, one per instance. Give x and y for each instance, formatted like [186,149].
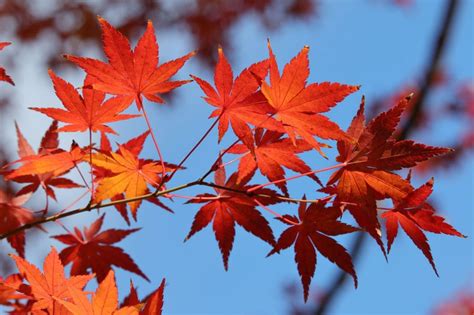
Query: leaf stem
[276,214]
[90,163]
[203,137]
[155,142]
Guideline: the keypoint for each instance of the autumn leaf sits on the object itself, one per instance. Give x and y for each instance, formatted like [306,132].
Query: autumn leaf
[131,74]
[104,301]
[414,215]
[49,143]
[298,106]
[238,101]
[132,298]
[50,284]
[92,249]
[227,208]
[14,215]
[55,163]
[3,74]
[154,304]
[9,294]
[122,172]
[270,153]
[367,174]
[311,232]
[87,112]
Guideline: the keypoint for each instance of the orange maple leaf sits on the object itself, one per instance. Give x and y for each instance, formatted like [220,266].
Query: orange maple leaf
[104,300]
[124,173]
[50,284]
[49,143]
[55,163]
[131,73]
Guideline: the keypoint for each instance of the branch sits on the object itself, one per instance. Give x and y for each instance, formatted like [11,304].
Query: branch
[438,50]
[100,205]
[90,207]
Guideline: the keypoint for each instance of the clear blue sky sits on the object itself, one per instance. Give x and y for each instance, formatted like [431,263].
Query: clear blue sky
[370,43]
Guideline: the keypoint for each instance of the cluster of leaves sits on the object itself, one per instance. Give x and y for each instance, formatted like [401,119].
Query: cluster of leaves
[51,292]
[274,119]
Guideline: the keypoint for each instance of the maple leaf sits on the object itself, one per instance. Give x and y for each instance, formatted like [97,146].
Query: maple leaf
[238,102]
[49,143]
[104,301]
[314,224]
[299,106]
[50,284]
[228,207]
[11,294]
[3,74]
[414,215]
[131,73]
[87,112]
[94,250]
[132,298]
[368,175]
[153,304]
[55,163]
[122,172]
[14,215]
[9,290]
[270,153]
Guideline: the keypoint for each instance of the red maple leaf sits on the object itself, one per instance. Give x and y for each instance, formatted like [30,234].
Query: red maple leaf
[310,232]
[92,249]
[131,73]
[3,74]
[270,153]
[88,112]
[414,215]
[153,303]
[228,207]
[14,215]
[299,106]
[238,102]
[47,181]
[368,174]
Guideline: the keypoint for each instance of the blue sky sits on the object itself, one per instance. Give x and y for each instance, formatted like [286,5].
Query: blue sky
[370,43]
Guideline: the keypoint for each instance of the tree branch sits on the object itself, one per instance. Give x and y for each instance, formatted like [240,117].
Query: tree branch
[428,79]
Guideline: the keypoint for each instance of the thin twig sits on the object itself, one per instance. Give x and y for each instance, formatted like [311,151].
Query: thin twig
[203,137]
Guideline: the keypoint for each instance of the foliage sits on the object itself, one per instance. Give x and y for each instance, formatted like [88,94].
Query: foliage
[274,119]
